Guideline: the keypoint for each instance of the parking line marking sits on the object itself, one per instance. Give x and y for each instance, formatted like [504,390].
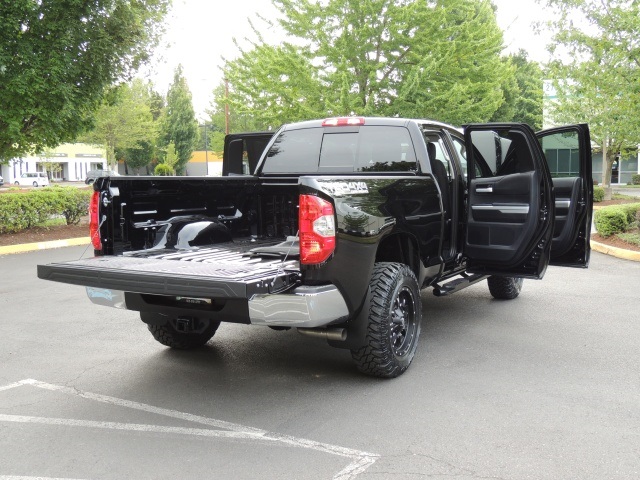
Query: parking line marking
[10,386]
[13,477]
[134,427]
[360,460]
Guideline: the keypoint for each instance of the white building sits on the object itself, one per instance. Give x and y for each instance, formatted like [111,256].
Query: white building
[74,160]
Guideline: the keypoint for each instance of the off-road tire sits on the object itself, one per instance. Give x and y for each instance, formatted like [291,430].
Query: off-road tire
[168,335]
[505,288]
[393,328]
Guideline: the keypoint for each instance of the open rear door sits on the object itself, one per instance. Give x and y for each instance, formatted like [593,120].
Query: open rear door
[568,154]
[510,210]
[242,152]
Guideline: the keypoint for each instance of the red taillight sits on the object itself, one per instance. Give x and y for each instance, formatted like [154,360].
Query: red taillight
[94,225]
[343,121]
[317,230]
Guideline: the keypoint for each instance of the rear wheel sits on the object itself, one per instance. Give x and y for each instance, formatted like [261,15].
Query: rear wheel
[393,325]
[182,333]
[505,288]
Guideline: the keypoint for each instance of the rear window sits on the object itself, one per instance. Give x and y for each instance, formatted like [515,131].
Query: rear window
[336,150]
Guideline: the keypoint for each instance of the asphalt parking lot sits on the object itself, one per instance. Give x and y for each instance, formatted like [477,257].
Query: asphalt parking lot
[543,387]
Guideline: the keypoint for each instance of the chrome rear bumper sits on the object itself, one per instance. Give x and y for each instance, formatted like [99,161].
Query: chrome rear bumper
[305,306]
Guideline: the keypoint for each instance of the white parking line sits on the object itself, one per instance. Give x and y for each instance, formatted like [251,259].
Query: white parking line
[360,460]
[13,477]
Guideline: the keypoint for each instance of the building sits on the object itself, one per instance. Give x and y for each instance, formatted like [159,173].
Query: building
[623,167]
[73,160]
[70,161]
[203,163]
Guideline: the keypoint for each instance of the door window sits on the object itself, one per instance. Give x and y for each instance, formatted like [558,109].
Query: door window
[501,152]
[562,151]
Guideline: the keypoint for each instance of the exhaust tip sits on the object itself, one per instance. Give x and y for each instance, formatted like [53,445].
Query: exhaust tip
[335,334]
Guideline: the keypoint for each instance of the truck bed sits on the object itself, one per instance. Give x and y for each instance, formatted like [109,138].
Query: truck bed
[231,270]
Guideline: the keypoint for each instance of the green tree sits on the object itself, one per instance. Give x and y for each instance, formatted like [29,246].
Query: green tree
[179,124]
[123,121]
[56,59]
[596,72]
[171,158]
[146,150]
[413,58]
[454,71]
[239,119]
[523,92]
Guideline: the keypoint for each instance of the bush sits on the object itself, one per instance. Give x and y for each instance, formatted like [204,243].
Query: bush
[615,219]
[630,210]
[19,211]
[610,221]
[162,169]
[73,203]
[635,179]
[598,194]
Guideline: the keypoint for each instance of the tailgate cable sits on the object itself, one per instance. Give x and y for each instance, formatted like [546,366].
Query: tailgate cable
[281,266]
[104,218]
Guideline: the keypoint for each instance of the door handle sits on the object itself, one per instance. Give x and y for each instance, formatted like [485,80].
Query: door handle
[484,189]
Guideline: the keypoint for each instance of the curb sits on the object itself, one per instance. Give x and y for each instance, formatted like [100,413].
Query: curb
[30,247]
[615,252]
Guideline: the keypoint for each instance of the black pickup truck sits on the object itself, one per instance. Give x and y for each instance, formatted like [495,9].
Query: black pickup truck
[337,229]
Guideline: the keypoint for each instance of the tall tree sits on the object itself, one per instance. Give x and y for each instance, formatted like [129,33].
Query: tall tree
[57,57]
[179,124]
[146,150]
[596,72]
[523,92]
[123,121]
[418,58]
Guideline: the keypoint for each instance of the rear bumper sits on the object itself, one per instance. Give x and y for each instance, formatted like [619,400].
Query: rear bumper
[239,290]
[304,306]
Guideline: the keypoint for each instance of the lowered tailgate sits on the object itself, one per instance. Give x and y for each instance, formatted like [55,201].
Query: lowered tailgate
[205,272]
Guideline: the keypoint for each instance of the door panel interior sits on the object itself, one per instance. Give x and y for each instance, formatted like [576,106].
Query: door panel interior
[509,216]
[567,152]
[501,216]
[567,195]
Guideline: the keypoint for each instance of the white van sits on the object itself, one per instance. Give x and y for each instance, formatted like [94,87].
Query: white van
[33,179]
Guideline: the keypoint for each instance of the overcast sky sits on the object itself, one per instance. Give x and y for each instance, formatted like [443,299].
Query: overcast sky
[200,33]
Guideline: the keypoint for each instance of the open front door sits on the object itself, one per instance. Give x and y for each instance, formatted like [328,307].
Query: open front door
[510,211]
[568,154]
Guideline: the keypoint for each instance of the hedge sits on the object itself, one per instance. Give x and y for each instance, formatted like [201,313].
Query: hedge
[598,194]
[19,210]
[615,218]
[635,179]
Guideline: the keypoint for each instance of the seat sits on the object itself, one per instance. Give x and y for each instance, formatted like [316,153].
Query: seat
[440,174]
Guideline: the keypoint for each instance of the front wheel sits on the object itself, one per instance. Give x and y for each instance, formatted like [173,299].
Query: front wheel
[183,333]
[505,288]
[393,325]
[35,184]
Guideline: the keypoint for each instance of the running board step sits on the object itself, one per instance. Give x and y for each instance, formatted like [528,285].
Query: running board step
[457,284]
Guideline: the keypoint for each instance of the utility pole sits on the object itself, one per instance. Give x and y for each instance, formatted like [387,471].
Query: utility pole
[206,147]
[226,106]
